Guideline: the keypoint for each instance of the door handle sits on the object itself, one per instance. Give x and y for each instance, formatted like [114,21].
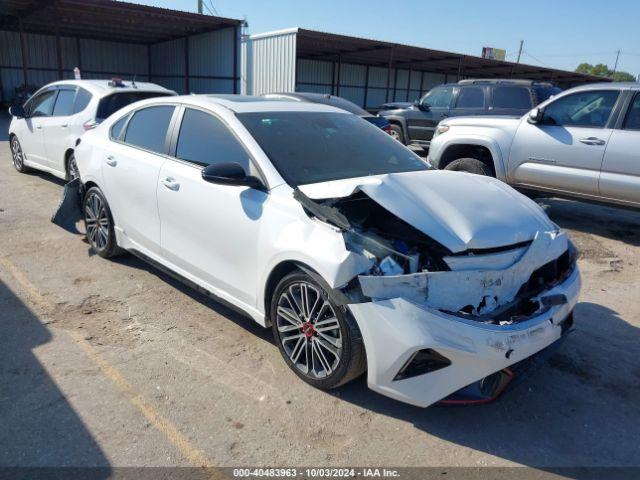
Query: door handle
[170,183]
[592,141]
[109,160]
[64,125]
[38,126]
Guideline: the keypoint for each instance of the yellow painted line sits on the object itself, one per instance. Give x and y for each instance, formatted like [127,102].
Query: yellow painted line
[190,452]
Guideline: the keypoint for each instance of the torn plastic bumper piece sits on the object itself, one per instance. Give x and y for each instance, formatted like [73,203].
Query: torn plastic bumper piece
[69,210]
[394,329]
[489,388]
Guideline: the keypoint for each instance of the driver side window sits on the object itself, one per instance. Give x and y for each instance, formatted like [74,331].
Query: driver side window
[582,109]
[439,97]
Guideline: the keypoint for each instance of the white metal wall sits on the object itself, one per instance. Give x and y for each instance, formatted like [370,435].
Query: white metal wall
[269,63]
[211,61]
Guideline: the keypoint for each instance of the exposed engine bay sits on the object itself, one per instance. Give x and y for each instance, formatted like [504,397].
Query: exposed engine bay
[501,285]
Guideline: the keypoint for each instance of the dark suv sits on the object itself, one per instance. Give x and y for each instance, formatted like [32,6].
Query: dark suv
[416,123]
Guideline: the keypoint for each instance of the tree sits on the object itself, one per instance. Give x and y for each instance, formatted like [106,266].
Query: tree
[602,70]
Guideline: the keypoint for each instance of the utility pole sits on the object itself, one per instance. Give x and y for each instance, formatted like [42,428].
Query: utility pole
[520,51]
[200,6]
[615,66]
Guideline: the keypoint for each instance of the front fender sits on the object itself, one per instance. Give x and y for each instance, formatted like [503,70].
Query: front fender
[444,143]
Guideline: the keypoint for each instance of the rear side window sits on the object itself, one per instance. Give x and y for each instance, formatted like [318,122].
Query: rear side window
[582,109]
[632,121]
[116,128]
[148,128]
[64,103]
[205,140]
[511,97]
[470,97]
[116,101]
[82,100]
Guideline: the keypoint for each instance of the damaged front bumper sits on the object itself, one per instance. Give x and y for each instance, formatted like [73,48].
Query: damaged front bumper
[452,352]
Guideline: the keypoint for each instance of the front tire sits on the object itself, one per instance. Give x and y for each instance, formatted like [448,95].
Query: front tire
[99,225]
[17,156]
[319,341]
[470,165]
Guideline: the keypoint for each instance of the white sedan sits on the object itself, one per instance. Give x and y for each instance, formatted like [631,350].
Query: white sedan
[316,223]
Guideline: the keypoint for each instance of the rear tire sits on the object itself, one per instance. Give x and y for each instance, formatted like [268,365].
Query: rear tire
[470,165]
[99,225]
[397,133]
[318,340]
[17,156]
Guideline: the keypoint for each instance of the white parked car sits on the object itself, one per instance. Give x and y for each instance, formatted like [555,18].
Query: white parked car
[318,224]
[582,143]
[44,132]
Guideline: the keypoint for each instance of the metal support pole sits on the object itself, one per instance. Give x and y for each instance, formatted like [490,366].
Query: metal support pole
[366,87]
[235,59]
[408,85]
[79,53]
[59,51]
[148,62]
[520,51]
[23,49]
[338,79]
[333,78]
[421,83]
[186,65]
[389,73]
[459,69]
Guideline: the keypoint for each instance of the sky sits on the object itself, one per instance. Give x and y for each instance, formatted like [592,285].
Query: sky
[560,33]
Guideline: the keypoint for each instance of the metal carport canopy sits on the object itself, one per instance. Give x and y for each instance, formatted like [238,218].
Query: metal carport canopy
[346,49]
[106,20]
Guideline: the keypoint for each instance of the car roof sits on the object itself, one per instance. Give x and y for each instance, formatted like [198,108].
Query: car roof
[503,81]
[608,86]
[246,103]
[102,87]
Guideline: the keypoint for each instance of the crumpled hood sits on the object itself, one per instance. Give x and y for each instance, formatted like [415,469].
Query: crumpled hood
[461,211]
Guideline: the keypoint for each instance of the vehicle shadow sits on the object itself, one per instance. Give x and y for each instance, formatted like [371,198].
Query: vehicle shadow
[599,220]
[39,427]
[579,409]
[215,304]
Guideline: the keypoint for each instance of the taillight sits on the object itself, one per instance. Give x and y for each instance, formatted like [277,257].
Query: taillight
[90,125]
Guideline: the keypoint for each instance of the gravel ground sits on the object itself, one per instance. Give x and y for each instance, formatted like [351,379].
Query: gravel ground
[112,363]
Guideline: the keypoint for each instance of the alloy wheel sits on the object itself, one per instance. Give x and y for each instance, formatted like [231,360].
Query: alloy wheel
[97,222]
[309,330]
[16,154]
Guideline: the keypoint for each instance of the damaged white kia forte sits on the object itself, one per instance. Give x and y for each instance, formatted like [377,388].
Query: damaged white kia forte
[443,286]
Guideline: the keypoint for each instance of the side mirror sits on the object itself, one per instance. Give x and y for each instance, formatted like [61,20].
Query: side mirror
[17,111]
[230,173]
[422,106]
[536,115]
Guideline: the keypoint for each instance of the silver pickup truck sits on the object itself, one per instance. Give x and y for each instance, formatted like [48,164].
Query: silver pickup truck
[583,143]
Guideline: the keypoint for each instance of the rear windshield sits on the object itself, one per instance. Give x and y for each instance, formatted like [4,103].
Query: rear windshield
[116,101]
[544,92]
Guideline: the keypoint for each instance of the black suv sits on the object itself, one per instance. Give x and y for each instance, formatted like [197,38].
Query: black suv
[416,123]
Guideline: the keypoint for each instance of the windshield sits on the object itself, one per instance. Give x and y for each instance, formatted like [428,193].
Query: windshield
[116,101]
[312,147]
